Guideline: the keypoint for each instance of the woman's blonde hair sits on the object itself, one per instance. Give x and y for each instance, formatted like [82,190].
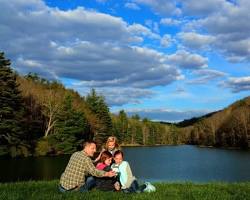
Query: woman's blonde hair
[112,139]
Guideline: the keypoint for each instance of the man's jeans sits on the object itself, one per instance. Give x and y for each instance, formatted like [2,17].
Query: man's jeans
[89,184]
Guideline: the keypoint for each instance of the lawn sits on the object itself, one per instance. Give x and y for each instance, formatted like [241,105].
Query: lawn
[47,190]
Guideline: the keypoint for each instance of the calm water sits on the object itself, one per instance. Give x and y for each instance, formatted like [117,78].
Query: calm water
[164,163]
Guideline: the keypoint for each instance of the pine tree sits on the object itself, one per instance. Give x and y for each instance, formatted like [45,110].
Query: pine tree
[12,138]
[98,106]
[69,131]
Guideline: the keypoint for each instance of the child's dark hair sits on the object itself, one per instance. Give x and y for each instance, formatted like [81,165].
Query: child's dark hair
[118,152]
[105,155]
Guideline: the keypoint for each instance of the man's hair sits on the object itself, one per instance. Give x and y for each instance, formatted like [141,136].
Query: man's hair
[88,142]
[105,155]
[118,152]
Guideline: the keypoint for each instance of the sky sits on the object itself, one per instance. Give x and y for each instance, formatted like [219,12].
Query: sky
[166,60]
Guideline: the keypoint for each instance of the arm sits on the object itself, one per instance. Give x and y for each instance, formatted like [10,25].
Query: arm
[99,156]
[98,173]
[90,168]
[124,168]
[126,176]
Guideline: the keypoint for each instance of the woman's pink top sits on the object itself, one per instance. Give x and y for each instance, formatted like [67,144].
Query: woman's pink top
[100,166]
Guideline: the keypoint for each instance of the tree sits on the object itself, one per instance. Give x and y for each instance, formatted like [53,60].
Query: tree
[12,138]
[69,130]
[123,127]
[98,106]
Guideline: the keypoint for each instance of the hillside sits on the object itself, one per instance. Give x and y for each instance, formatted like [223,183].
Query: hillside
[43,117]
[229,127]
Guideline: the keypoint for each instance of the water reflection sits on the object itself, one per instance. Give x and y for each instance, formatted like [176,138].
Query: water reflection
[164,163]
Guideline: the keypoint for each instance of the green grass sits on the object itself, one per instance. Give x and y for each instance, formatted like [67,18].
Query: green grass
[47,190]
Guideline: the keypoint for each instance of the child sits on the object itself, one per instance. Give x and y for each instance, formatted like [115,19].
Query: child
[106,184]
[126,178]
[111,146]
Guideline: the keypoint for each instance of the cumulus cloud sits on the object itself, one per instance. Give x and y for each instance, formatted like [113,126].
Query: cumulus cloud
[119,95]
[202,8]
[195,40]
[170,22]
[237,84]
[132,6]
[138,29]
[81,44]
[166,115]
[162,7]
[206,75]
[187,60]
[166,40]
[223,24]
[230,28]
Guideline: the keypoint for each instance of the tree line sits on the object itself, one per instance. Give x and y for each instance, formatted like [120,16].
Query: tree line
[42,117]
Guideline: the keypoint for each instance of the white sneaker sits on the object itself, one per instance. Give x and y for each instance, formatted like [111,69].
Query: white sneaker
[149,187]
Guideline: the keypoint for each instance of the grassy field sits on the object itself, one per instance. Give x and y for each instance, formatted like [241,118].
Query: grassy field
[47,190]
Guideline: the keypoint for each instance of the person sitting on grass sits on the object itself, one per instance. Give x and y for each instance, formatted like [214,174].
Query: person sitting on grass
[111,145]
[79,167]
[129,184]
[106,183]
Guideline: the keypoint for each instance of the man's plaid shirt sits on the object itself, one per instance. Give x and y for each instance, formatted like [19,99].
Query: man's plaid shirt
[79,166]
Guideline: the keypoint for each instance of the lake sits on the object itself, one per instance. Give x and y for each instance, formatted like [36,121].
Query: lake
[161,163]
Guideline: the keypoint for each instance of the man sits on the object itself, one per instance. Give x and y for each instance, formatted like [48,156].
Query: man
[80,165]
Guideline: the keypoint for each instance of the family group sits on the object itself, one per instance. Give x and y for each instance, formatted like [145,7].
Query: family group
[107,172]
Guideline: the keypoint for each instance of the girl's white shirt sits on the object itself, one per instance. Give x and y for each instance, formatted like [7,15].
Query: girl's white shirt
[125,174]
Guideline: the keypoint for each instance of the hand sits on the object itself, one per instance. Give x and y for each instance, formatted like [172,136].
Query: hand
[110,174]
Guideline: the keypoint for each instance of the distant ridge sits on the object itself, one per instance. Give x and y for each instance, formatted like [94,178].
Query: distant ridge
[229,127]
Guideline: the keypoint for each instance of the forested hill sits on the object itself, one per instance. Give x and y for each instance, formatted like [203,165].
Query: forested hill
[229,127]
[42,117]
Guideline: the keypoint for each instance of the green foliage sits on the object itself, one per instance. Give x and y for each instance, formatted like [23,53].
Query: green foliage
[98,106]
[47,109]
[11,113]
[69,130]
[42,147]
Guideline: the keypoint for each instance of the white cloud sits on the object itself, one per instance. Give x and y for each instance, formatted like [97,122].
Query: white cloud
[166,40]
[206,75]
[237,84]
[132,6]
[80,44]
[166,114]
[170,22]
[229,26]
[162,7]
[139,29]
[202,8]
[195,40]
[187,60]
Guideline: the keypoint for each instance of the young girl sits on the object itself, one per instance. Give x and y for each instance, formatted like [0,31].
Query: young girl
[111,145]
[106,184]
[126,178]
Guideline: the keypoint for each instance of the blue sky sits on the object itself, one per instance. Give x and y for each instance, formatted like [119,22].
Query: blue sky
[165,60]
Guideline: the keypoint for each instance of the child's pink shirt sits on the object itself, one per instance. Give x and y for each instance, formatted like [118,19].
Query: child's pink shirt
[100,166]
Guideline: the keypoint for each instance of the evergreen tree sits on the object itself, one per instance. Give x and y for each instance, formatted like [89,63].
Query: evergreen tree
[69,131]
[123,127]
[12,138]
[98,106]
